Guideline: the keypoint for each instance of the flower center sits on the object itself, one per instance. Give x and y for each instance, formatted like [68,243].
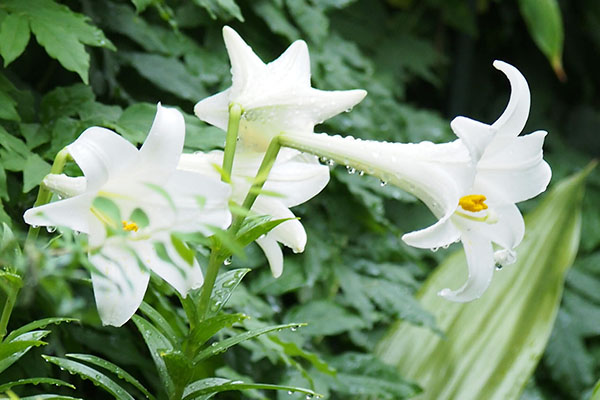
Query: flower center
[130,226]
[473,202]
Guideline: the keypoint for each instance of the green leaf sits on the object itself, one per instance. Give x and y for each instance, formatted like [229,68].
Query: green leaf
[293,350]
[169,74]
[30,339]
[211,326]
[40,323]
[596,392]
[34,171]
[8,109]
[120,372]
[222,9]
[14,36]
[365,375]
[222,346]
[141,5]
[216,385]
[255,227]
[309,18]
[325,318]
[157,343]
[224,286]
[93,375]
[34,381]
[493,344]
[159,321]
[62,32]
[544,21]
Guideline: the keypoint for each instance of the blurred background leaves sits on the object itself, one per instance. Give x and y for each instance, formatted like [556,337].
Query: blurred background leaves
[422,62]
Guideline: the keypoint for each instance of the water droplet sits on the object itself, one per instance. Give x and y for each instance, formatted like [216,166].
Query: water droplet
[308,396]
[350,170]
[290,392]
[35,226]
[330,162]
[361,173]
[434,249]
[51,229]
[382,183]
[323,160]
[294,328]
[227,261]
[498,266]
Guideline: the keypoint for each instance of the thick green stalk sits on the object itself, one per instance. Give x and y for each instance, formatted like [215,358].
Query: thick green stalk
[233,125]
[214,264]
[44,195]
[259,181]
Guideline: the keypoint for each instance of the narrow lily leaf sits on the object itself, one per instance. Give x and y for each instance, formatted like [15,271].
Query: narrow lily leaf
[120,372]
[31,338]
[157,343]
[40,323]
[223,345]
[34,381]
[209,327]
[216,385]
[224,287]
[492,345]
[544,21]
[179,366]
[159,321]
[252,231]
[89,373]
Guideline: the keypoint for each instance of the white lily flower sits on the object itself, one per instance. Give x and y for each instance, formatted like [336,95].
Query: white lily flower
[275,97]
[294,179]
[154,200]
[488,163]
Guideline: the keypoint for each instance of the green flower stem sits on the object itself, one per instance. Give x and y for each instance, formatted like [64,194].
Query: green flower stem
[214,264]
[44,195]
[259,181]
[233,125]
[217,255]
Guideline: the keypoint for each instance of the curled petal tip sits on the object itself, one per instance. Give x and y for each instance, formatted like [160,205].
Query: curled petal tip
[513,119]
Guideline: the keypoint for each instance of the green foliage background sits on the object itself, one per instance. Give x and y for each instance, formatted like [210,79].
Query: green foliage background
[78,63]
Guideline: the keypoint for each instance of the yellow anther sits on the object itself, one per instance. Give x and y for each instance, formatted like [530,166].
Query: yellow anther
[130,226]
[473,202]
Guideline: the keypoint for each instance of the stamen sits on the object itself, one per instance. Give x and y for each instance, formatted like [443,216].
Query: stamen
[473,202]
[130,226]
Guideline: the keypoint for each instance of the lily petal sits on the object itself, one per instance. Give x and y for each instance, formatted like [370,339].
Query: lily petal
[273,253]
[161,150]
[475,135]
[179,274]
[101,154]
[119,286]
[480,262]
[440,234]
[244,62]
[71,213]
[513,119]
[294,63]
[507,230]
[214,109]
[513,169]
[290,233]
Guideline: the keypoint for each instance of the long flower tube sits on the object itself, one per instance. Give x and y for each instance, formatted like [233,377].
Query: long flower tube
[471,185]
[151,199]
